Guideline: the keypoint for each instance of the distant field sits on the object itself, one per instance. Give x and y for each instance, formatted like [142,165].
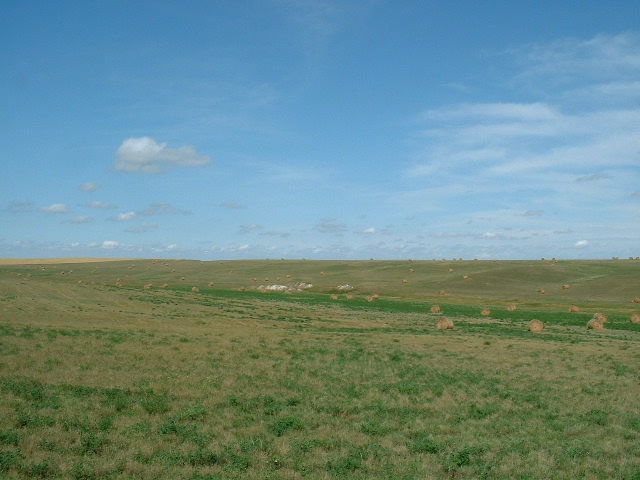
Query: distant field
[50,261]
[146,369]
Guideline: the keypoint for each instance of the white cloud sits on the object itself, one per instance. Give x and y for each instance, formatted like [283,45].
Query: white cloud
[89,187]
[146,155]
[581,244]
[126,217]
[55,208]
[110,244]
[173,246]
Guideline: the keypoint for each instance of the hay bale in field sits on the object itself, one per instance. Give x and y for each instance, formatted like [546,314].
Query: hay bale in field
[334,297]
[635,318]
[165,285]
[601,317]
[445,324]
[565,287]
[195,289]
[405,281]
[635,300]
[450,270]
[436,309]
[350,297]
[148,285]
[370,298]
[211,284]
[512,308]
[242,289]
[465,277]
[574,309]
[595,324]
[485,312]
[441,292]
[536,326]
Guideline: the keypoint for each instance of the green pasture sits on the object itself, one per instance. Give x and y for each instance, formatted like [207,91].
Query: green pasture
[102,378]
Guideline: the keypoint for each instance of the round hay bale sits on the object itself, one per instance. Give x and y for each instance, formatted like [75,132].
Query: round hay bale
[445,324]
[601,317]
[542,291]
[635,318]
[536,326]
[435,309]
[195,289]
[635,300]
[565,287]
[370,298]
[440,292]
[211,284]
[350,297]
[334,297]
[512,308]
[595,324]
[465,277]
[405,281]
[242,289]
[574,309]
[485,312]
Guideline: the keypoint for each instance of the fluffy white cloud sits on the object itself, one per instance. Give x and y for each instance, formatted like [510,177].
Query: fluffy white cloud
[146,155]
[82,219]
[581,244]
[110,244]
[55,208]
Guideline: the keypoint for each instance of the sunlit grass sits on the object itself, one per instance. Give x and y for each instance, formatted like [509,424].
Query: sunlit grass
[99,381]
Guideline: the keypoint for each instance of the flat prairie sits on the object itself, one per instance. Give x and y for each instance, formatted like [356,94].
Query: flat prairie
[290,369]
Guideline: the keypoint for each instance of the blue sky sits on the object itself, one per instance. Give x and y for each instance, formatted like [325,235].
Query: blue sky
[320,129]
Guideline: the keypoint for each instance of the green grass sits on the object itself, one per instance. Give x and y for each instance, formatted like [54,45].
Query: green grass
[106,382]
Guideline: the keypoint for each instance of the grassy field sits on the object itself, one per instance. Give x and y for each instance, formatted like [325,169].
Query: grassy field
[123,370]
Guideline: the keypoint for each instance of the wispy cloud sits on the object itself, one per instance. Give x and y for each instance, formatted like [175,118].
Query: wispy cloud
[55,208]
[541,152]
[102,205]
[232,205]
[82,219]
[146,155]
[19,207]
[164,209]
[126,216]
[329,225]
[90,187]
[143,227]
